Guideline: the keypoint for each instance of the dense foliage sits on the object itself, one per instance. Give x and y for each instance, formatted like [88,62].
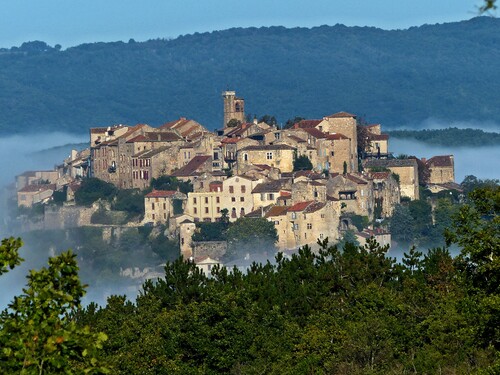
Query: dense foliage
[302,163]
[350,310]
[344,311]
[50,89]
[451,137]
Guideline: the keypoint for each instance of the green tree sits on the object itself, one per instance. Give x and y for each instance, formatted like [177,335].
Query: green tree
[171,183]
[93,189]
[401,224]
[36,334]
[249,235]
[302,163]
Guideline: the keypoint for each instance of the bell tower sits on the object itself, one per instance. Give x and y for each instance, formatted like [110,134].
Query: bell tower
[234,108]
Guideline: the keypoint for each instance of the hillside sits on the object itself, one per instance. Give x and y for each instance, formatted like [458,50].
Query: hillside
[397,78]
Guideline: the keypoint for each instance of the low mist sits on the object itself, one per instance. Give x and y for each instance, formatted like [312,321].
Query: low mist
[482,162]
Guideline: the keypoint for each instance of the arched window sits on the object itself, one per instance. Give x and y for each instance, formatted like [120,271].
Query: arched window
[233,213]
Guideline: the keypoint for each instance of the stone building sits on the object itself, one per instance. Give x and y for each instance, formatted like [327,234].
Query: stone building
[234,108]
[441,168]
[276,156]
[159,205]
[32,194]
[354,192]
[268,192]
[406,169]
[385,193]
[233,194]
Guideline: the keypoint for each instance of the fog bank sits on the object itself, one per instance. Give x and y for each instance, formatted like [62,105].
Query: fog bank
[483,162]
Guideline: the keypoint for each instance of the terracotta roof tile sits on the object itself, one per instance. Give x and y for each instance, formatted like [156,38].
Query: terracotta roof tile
[301,206]
[304,124]
[341,115]
[161,193]
[440,161]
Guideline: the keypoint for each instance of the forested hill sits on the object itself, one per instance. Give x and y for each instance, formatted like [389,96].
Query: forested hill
[399,77]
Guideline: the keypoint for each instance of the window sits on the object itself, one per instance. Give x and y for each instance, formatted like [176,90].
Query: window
[262,196]
[153,216]
[243,189]
[165,216]
[182,241]
[231,189]
[294,215]
[269,156]
[218,209]
[276,222]
[322,216]
[332,153]
[233,212]
[245,157]
[195,210]
[309,226]
[152,206]
[295,226]
[321,235]
[164,206]
[206,200]
[233,199]
[217,199]
[206,210]
[201,184]
[194,200]
[242,199]
[271,196]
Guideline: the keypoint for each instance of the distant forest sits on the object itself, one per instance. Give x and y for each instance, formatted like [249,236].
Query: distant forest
[397,78]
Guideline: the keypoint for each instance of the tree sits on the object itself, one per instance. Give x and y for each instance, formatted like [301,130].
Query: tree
[233,123]
[36,334]
[348,237]
[171,183]
[291,122]
[93,189]
[268,119]
[302,163]
[249,235]
[401,224]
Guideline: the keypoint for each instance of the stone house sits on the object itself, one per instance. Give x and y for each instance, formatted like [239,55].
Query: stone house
[36,178]
[385,193]
[206,264]
[196,167]
[406,169]
[441,168]
[339,123]
[234,108]
[230,147]
[32,194]
[354,192]
[268,192]
[159,205]
[308,190]
[277,156]
[333,152]
[233,194]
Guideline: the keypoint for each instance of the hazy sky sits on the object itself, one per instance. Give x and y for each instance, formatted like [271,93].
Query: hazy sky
[72,22]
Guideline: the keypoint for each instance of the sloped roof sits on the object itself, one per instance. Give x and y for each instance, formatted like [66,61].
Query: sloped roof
[191,168]
[440,161]
[304,124]
[150,153]
[336,137]
[276,211]
[296,138]
[301,206]
[161,194]
[379,137]
[316,133]
[268,187]
[341,115]
[36,188]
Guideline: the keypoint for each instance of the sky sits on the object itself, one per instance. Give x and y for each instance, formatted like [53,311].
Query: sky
[73,22]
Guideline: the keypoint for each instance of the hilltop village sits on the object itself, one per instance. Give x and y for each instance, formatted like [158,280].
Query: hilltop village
[313,179]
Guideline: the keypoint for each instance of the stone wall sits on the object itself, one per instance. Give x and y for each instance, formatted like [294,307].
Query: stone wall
[212,249]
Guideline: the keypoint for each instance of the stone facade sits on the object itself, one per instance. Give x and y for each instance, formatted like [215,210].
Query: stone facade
[159,205]
[355,192]
[234,108]
[441,168]
[385,192]
[276,156]
[406,169]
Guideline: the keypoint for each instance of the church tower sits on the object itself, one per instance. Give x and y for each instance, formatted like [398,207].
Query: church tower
[234,108]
